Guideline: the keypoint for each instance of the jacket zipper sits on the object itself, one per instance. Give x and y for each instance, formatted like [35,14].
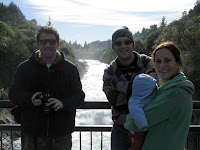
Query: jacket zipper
[48,96]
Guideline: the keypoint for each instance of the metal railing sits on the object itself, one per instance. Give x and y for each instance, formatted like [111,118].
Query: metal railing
[194,130]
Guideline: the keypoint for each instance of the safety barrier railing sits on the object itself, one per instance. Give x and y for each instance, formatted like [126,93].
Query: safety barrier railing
[194,131]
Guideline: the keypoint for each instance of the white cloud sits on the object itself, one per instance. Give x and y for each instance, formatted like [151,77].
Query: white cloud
[135,14]
[140,5]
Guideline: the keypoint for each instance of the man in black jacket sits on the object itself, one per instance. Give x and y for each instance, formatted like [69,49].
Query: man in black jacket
[48,90]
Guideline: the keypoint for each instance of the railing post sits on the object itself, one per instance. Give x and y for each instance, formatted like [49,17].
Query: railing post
[80,139]
[11,139]
[101,140]
[91,139]
[197,140]
[1,139]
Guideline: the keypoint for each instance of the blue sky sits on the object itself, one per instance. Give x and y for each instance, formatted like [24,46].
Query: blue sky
[92,20]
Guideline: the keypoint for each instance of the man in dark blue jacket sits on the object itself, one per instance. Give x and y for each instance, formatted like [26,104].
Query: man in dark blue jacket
[48,90]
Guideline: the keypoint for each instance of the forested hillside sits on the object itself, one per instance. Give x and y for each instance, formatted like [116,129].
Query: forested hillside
[185,33]
[18,41]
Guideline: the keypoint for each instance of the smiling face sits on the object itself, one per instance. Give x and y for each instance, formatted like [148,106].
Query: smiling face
[124,50]
[165,65]
[48,48]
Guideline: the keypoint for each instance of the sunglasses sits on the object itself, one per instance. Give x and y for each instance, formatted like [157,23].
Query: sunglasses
[119,43]
[51,41]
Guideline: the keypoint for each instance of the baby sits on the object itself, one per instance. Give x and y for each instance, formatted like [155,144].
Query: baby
[143,91]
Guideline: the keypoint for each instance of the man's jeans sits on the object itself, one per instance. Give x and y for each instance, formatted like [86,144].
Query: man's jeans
[46,143]
[119,139]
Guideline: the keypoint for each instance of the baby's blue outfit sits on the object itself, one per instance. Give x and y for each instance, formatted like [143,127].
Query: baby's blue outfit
[142,88]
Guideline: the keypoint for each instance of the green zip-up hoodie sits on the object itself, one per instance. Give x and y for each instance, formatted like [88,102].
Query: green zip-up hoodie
[168,115]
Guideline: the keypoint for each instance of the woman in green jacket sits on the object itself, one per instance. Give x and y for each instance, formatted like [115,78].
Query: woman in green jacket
[169,114]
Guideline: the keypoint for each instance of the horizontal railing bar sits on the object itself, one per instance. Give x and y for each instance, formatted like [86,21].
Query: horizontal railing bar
[93,128]
[193,128]
[10,127]
[77,128]
[6,104]
[87,105]
[95,105]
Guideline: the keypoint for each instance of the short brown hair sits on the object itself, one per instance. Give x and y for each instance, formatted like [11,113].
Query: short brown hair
[48,30]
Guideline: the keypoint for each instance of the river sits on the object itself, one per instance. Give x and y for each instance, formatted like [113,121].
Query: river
[92,86]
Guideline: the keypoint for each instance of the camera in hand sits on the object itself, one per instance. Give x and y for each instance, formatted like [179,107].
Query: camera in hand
[44,98]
